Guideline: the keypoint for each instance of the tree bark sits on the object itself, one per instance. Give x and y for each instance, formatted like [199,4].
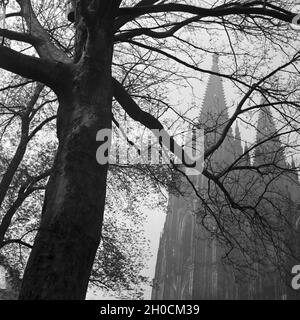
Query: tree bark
[61,260]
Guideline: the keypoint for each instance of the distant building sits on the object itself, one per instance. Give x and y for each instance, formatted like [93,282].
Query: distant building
[190,259]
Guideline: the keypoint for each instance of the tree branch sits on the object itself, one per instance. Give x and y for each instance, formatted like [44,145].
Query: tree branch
[146,119]
[41,125]
[220,11]
[41,70]
[17,241]
[19,36]
[153,34]
[120,21]
[45,48]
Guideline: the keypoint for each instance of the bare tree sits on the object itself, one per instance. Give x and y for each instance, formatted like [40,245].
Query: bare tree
[26,162]
[64,249]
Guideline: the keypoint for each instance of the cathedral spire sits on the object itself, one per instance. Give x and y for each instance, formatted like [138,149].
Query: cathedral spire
[293,165]
[215,61]
[214,111]
[295,169]
[237,132]
[271,150]
[214,117]
[247,155]
[265,124]
[238,141]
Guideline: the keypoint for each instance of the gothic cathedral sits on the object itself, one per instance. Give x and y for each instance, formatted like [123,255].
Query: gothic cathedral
[190,261]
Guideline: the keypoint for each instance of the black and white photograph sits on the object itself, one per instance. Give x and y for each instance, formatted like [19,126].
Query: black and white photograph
[149,154]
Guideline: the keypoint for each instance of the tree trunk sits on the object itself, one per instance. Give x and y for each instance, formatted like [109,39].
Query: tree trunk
[61,260]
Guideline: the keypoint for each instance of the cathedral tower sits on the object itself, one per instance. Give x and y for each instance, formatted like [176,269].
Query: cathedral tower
[188,262]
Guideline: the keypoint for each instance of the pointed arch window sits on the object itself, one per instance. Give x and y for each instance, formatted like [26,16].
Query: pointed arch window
[186,236]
